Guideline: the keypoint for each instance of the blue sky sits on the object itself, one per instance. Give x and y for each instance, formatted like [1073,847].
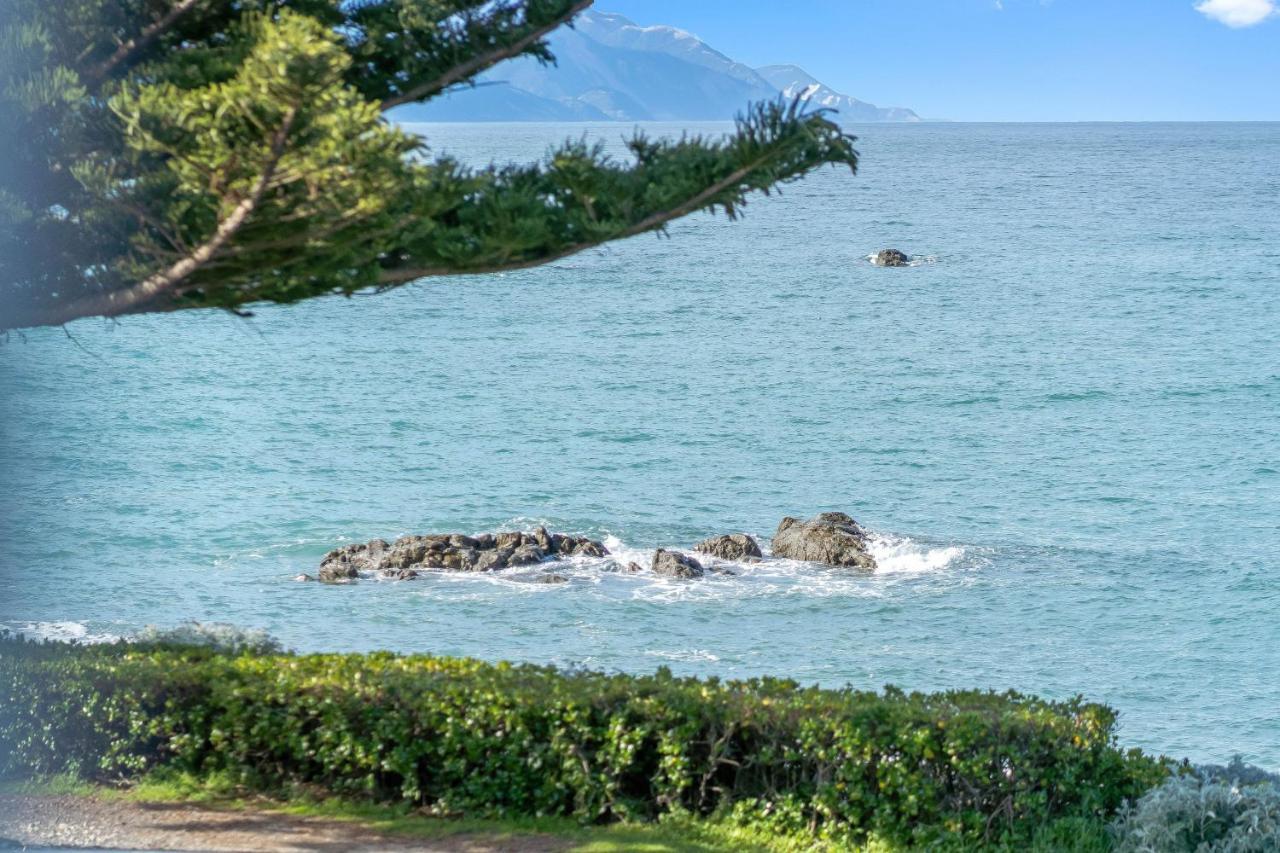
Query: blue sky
[1009,60]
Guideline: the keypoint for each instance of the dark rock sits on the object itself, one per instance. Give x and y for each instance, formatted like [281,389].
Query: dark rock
[584,547]
[551,579]
[673,564]
[892,258]
[400,574]
[508,540]
[347,562]
[451,552]
[526,554]
[733,546]
[493,560]
[338,573]
[634,567]
[460,559]
[831,537]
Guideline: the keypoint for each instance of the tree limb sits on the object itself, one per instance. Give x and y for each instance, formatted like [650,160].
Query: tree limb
[482,61]
[100,71]
[654,221]
[128,299]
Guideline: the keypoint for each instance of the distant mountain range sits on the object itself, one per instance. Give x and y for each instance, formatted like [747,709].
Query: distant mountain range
[610,69]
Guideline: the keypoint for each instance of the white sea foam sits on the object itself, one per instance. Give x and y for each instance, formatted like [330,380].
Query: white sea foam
[623,554]
[896,556]
[903,555]
[60,632]
[683,655]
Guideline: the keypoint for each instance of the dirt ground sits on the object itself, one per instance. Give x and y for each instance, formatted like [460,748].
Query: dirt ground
[118,824]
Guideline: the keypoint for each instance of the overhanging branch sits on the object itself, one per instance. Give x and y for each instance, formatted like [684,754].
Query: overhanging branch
[100,71]
[129,299]
[480,62]
[392,277]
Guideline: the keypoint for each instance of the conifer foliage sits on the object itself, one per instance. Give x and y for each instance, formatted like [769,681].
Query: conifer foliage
[168,154]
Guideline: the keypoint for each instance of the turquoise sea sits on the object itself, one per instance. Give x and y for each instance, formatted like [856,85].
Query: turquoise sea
[1063,426]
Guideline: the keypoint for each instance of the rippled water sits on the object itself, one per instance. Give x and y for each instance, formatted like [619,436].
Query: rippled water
[1063,427]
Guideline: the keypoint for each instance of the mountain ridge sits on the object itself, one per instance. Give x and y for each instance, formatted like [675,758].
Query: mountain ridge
[609,68]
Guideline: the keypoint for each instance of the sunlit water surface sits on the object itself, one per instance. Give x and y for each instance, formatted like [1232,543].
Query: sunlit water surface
[1064,427]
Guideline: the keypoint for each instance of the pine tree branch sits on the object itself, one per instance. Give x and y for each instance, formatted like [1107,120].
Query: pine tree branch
[129,48]
[652,222]
[482,61]
[162,283]
[584,200]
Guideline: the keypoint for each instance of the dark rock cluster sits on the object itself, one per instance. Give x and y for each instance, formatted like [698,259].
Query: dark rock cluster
[408,555]
[831,537]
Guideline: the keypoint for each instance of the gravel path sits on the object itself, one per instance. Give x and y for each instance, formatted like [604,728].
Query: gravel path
[118,824]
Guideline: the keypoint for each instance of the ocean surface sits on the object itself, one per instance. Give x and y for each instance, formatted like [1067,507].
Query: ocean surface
[1063,426]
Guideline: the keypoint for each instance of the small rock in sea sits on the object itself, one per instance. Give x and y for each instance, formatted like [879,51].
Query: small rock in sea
[337,573]
[732,546]
[831,537]
[457,552]
[551,579]
[399,574]
[671,564]
[634,567]
[892,258]
[303,577]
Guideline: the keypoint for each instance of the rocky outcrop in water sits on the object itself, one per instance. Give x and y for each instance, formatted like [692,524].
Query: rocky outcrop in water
[335,573]
[892,258]
[732,546]
[408,555]
[672,564]
[832,538]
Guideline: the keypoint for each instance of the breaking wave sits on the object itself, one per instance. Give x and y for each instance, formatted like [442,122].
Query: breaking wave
[903,555]
[60,632]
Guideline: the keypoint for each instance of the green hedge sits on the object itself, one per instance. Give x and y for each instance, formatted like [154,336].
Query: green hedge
[461,736]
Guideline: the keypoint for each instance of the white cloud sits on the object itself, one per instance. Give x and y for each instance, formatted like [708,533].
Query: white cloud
[1238,13]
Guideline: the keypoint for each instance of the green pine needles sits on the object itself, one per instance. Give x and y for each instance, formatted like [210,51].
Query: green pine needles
[169,154]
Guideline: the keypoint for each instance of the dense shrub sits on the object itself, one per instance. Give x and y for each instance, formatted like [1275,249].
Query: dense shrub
[501,740]
[1192,814]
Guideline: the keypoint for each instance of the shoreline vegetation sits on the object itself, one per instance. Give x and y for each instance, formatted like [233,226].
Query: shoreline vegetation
[450,737]
[457,751]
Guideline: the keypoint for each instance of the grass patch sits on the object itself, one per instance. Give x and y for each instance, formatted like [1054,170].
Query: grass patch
[673,833]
